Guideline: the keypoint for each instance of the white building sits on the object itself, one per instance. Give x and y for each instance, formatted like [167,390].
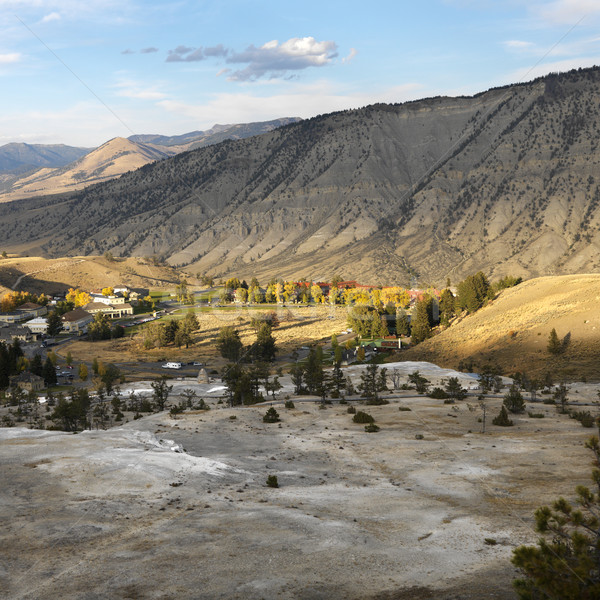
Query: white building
[37,325]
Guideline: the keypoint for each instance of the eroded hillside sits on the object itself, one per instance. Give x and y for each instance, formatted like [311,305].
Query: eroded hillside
[504,181]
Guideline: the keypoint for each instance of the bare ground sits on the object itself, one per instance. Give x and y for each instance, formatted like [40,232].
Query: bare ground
[118,514]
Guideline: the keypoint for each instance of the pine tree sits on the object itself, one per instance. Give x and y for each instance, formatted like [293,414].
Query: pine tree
[420,324]
[554,345]
[513,400]
[49,373]
[502,419]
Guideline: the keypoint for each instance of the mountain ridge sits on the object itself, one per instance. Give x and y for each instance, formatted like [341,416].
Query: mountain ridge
[503,181]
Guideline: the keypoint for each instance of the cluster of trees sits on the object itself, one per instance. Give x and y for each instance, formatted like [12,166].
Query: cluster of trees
[12,300]
[12,361]
[230,345]
[78,297]
[177,332]
[102,329]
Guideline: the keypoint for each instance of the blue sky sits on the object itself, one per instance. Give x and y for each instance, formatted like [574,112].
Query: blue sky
[81,72]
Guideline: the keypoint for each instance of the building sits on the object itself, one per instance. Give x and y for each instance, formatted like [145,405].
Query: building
[113,311]
[33,309]
[27,381]
[39,325]
[14,332]
[76,321]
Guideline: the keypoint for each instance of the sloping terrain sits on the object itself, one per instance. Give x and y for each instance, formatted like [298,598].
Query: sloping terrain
[19,157]
[37,275]
[358,516]
[112,159]
[108,161]
[505,181]
[512,331]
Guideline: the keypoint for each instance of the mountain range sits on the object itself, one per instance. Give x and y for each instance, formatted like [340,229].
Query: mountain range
[28,170]
[505,181]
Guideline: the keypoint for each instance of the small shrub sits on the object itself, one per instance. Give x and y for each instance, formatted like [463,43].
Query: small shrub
[584,417]
[362,417]
[377,402]
[289,404]
[272,481]
[438,393]
[371,428]
[232,417]
[490,541]
[351,410]
[533,415]
[271,416]
[502,419]
[449,401]
[419,436]
[404,408]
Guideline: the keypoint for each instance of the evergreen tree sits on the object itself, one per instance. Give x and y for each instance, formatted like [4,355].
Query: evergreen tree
[228,343]
[337,380]
[421,322]
[454,390]
[447,307]
[264,347]
[513,400]
[297,375]
[49,373]
[54,323]
[502,419]
[554,345]
[567,565]
[402,324]
[37,366]
[313,374]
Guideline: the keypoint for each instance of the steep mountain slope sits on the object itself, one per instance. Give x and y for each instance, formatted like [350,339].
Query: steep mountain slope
[504,181]
[108,161]
[512,331]
[18,157]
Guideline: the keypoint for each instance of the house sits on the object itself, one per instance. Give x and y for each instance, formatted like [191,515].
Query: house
[76,321]
[114,300]
[37,325]
[27,381]
[113,311]
[32,309]
[12,332]
[15,316]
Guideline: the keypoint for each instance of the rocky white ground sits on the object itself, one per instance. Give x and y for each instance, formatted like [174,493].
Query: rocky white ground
[178,508]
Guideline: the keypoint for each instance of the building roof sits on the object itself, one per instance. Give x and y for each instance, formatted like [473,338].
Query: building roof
[76,315]
[38,321]
[26,377]
[97,306]
[29,306]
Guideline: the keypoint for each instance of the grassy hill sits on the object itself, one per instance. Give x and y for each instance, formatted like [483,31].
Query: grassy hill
[512,331]
[36,274]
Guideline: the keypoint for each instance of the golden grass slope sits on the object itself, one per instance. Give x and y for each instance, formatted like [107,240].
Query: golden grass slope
[112,159]
[513,330]
[36,274]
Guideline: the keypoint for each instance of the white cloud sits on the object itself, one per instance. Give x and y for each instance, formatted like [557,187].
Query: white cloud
[53,16]
[132,89]
[567,12]
[351,55]
[518,45]
[276,60]
[9,58]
